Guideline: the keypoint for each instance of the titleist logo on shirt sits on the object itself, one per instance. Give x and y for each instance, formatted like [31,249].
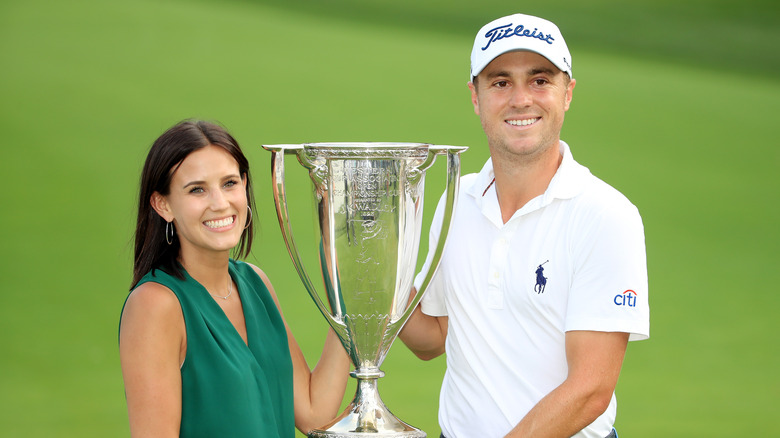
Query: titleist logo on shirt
[506,31]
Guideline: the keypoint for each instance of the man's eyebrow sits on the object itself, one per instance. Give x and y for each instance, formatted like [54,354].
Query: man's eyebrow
[531,72]
[497,74]
[540,70]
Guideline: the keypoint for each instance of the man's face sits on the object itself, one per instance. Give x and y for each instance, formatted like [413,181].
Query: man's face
[521,99]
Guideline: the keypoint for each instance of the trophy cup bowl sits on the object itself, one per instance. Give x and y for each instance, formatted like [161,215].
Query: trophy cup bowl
[369,200]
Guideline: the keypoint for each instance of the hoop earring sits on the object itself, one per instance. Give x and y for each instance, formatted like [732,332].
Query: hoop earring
[249,220]
[169,233]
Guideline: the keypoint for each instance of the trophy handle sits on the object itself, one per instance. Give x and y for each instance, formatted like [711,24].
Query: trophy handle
[280,199]
[451,189]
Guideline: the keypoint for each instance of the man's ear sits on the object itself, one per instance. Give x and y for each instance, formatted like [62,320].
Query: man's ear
[160,204]
[474,99]
[569,94]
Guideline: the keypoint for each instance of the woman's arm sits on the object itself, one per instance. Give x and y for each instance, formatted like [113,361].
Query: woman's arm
[152,344]
[318,393]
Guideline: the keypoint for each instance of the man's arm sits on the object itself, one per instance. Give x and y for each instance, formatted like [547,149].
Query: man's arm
[424,334]
[594,360]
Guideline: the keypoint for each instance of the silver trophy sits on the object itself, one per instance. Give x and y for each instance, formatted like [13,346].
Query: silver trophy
[369,199]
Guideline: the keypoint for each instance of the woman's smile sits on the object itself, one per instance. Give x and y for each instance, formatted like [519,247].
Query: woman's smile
[216,224]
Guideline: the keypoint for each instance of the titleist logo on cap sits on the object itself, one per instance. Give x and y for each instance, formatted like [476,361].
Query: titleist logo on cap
[506,31]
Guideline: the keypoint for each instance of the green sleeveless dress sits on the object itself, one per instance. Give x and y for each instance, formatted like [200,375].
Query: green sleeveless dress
[230,389]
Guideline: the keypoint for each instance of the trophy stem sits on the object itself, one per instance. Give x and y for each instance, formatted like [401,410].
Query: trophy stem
[367,415]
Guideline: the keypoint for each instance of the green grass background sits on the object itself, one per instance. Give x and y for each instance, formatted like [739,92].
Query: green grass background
[676,105]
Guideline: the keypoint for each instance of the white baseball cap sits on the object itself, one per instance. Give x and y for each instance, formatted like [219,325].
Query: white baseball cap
[519,32]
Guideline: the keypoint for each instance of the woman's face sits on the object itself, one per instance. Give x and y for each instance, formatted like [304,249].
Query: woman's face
[206,202]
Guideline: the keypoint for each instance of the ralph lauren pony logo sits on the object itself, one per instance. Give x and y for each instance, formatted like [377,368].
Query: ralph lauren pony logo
[506,31]
[541,280]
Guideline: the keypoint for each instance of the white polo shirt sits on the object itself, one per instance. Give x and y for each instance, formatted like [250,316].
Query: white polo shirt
[570,259]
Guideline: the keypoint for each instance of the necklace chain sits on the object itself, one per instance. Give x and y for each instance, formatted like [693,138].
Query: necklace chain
[230,290]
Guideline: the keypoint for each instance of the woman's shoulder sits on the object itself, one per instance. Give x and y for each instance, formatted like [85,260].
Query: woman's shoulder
[246,268]
[156,300]
[152,324]
[252,272]
[152,310]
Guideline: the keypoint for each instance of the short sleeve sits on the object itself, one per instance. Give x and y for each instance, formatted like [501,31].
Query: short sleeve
[609,290]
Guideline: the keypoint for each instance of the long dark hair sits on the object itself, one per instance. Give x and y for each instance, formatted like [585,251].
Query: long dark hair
[166,154]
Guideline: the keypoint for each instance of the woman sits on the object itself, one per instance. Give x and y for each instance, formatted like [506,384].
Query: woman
[204,348]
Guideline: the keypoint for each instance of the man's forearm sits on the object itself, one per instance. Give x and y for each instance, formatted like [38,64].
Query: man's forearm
[594,361]
[562,413]
[424,335]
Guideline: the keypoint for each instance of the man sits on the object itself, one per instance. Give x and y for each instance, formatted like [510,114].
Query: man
[543,281]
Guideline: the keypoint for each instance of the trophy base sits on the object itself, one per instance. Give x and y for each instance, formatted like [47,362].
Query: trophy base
[332,434]
[345,427]
[367,416]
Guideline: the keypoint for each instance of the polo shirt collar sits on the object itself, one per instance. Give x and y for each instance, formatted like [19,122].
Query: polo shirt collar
[570,178]
[569,181]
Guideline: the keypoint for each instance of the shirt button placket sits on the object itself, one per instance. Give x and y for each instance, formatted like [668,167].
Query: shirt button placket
[498,256]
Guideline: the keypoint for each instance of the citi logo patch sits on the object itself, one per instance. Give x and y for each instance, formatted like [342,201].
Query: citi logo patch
[627,298]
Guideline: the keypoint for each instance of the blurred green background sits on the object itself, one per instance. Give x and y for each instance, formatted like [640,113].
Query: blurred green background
[676,105]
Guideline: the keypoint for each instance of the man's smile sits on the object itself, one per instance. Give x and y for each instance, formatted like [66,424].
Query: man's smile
[523,122]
